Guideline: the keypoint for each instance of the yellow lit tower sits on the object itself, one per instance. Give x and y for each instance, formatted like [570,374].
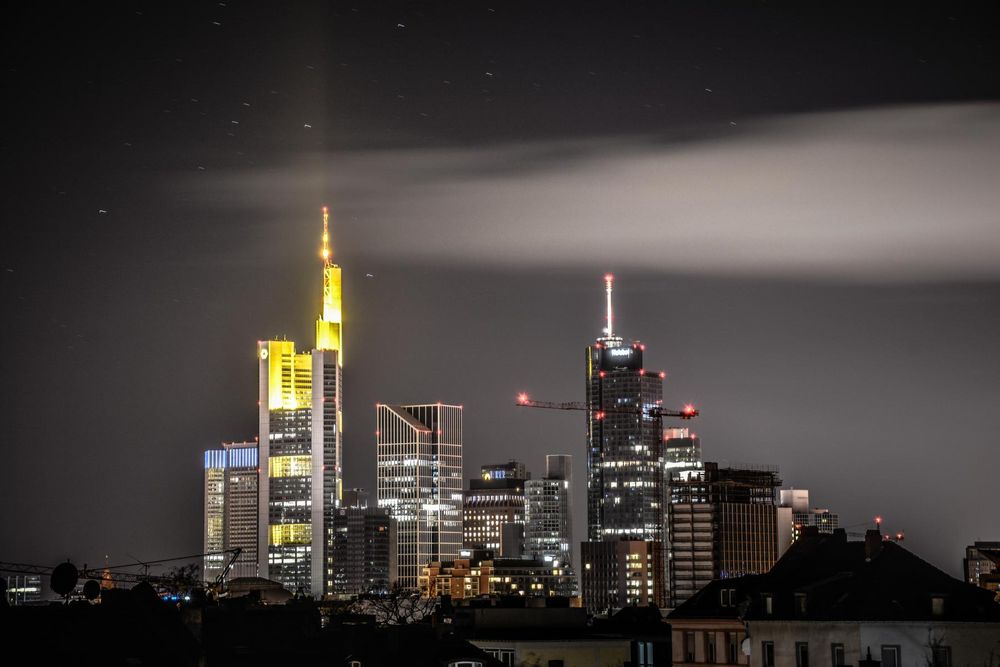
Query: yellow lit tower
[301,412]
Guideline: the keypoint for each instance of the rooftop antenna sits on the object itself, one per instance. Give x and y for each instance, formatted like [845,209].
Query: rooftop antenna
[608,280]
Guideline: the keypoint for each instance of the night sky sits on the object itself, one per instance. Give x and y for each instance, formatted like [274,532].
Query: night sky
[799,202]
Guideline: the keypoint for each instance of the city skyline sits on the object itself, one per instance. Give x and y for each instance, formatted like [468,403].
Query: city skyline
[810,252]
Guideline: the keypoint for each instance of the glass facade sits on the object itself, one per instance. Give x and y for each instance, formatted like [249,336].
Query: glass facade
[419,469]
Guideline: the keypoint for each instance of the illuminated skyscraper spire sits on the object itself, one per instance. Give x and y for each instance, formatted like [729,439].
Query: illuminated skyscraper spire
[608,280]
[328,326]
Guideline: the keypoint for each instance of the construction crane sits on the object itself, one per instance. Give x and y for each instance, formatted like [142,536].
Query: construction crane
[657,412]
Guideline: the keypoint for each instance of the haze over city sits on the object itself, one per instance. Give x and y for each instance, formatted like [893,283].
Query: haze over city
[804,237]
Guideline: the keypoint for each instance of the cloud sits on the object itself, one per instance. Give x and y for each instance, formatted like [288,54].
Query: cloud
[908,193]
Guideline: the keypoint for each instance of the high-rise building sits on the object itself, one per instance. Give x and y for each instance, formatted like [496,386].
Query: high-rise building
[625,490]
[364,550]
[722,524]
[681,450]
[23,589]
[794,514]
[548,529]
[622,573]
[982,565]
[231,481]
[625,472]
[419,469]
[493,509]
[301,425]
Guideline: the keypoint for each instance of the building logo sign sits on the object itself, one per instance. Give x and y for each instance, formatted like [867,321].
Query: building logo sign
[620,351]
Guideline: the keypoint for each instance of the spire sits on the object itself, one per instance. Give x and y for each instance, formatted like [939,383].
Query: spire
[608,280]
[328,326]
[325,252]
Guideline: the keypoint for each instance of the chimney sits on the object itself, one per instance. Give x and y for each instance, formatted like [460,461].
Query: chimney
[873,543]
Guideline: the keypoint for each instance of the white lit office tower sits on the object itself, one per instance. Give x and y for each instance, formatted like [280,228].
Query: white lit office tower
[548,530]
[231,479]
[419,470]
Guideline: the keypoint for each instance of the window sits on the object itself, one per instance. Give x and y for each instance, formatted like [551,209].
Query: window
[733,644]
[941,656]
[555,663]
[800,604]
[767,654]
[890,656]
[837,655]
[727,597]
[503,655]
[644,654]
[801,654]
[688,647]
[465,663]
[937,605]
[768,601]
[709,647]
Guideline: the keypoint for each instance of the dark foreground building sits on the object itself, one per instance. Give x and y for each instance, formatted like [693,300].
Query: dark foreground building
[828,601]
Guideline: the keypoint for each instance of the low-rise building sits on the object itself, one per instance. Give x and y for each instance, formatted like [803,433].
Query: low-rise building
[479,573]
[982,565]
[829,601]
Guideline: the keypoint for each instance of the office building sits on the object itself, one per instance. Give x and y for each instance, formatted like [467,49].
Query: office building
[231,488]
[301,408]
[620,574]
[355,498]
[419,471]
[364,551]
[982,565]
[625,489]
[722,523]
[23,589]
[478,573]
[548,529]
[493,509]
[681,450]
[794,514]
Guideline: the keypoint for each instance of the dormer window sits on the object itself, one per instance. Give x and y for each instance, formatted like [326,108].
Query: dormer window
[937,605]
[767,600]
[727,597]
[800,604]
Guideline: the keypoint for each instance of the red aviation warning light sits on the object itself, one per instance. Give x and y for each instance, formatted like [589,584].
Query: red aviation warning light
[689,411]
[522,398]
[878,521]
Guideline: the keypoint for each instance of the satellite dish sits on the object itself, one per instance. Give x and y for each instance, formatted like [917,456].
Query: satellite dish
[91,589]
[64,578]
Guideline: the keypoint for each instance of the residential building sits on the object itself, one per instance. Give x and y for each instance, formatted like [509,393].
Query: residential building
[301,408]
[548,529]
[547,632]
[363,550]
[829,601]
[493,509]
[419,471]
[231,494]
[982,565]
[722,524]
[621,574]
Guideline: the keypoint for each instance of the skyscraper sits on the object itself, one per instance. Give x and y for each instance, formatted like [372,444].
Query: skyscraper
[722,524]
[301,425]
[624,443]
[364,550]
[231,488]
[625,474]
[493,504]
[419,469]
[548,529]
